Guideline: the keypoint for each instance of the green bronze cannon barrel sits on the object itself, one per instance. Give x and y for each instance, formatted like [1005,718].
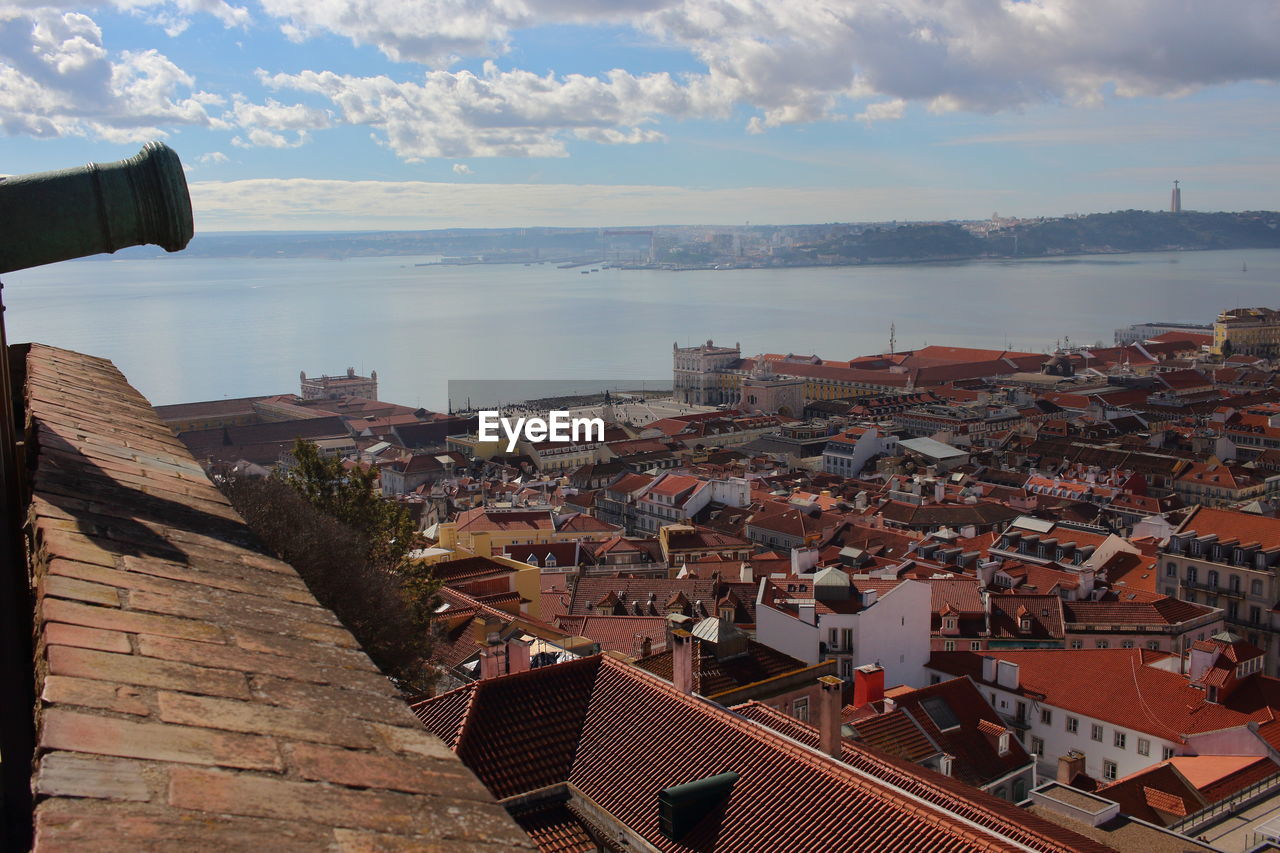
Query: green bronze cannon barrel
[55,216]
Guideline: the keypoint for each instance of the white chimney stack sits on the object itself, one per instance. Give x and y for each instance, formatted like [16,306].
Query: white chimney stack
[829,724]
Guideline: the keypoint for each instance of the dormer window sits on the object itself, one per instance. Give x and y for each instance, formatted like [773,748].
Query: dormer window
[1024,623]
[949,623]
[1003,746]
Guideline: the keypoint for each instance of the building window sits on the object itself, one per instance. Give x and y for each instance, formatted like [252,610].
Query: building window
[1004,743]
[1166,753]
[1255,587]
[1144,746]
[949,646]
[1121,738]
[1171,570]
[1073,725]
[935,679]
[1191,574]
[1046,716]
[1212,578]
[800,709]
[975,645]
[1077,644]
[1154,645]
[1037,746]
[1096,733]
[1127,644]
[1109,770]
[1104,644]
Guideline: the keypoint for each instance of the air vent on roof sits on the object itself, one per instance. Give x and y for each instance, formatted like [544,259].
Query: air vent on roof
[682,807]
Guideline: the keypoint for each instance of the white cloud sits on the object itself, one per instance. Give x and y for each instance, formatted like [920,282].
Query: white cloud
[883,111]
[214,157]
[784,61]
[57,79]
[438,32]
[795,61]
[263,123]
[462,169]
[502,113]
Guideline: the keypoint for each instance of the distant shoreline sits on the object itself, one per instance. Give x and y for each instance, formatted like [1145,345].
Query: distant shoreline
[668,268]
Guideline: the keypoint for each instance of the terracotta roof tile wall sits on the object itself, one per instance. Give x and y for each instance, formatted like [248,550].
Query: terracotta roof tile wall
[1120,686]
[193,693]
[619,736]
[955,796]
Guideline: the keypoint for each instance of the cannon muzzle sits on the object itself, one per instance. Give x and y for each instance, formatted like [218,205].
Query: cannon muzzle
[55,216]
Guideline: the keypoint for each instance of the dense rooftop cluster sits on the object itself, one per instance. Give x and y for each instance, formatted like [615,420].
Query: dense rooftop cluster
[964,599]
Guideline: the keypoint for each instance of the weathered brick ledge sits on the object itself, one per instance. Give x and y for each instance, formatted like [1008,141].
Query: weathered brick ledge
[192,693]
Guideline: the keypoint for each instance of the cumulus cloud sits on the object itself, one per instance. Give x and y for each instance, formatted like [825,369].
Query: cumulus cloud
[214,157]
[502,113]
[796,60]
[883,111]
[462,169]
[778,61]
[792,61]
[265,124]
[439,32]
[57,79]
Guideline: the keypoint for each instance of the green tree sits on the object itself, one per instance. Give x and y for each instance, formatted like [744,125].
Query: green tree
[349,496]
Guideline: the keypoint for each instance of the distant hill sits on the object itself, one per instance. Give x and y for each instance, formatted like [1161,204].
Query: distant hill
[1098,233]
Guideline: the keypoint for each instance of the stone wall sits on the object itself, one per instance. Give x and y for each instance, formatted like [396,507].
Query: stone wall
[192,693]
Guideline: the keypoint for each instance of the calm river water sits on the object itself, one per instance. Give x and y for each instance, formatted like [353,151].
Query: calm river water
[196,329]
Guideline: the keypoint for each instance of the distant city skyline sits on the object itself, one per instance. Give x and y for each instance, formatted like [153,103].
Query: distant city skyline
[437,113]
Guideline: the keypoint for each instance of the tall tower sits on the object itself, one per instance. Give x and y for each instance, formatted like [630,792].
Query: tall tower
[1175,201]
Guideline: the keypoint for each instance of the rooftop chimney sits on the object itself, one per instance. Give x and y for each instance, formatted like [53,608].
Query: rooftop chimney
[989,669]
[682,643]
[807,614]
[518,654]
[829,714]
[868,684]
[1007,674]
[1070,766]
[803,559]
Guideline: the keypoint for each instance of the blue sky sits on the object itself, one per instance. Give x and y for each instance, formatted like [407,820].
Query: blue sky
[439,113]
